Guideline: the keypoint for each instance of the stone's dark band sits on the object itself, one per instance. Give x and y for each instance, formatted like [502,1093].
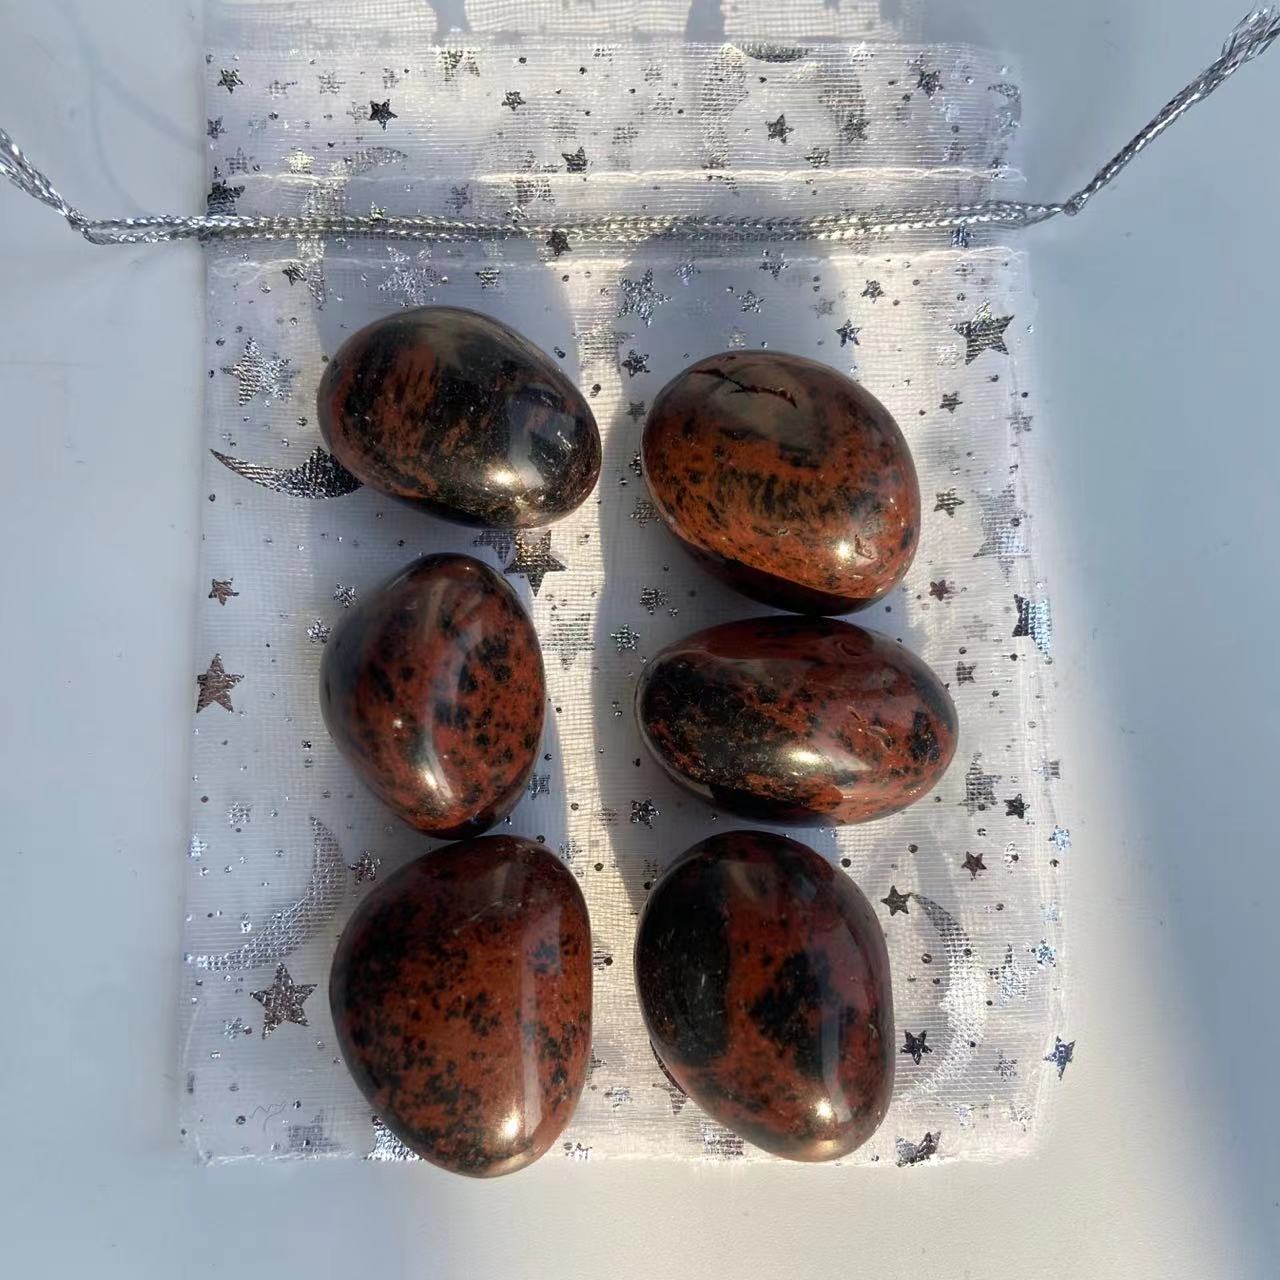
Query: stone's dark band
[797,720]
[763,978]
[459,415]
[433,688]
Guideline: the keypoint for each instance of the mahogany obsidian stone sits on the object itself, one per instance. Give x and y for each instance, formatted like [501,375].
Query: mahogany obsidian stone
[459,415]
[797,720]
[763,978]
[785,478]
[433,689]
[461,995]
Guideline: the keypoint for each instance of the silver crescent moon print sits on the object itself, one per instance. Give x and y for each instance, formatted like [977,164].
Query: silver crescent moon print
[320,476]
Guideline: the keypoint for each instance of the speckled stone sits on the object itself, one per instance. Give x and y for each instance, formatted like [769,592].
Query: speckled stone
[763,978]
[797,720]
[459,415]
[433,688]
[461,996]
[786,479]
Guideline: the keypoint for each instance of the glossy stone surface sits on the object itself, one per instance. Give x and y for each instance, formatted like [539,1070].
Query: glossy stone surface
[785,478]
[797,720]
[461,995]
[433,688]
[763,978]
[456,413]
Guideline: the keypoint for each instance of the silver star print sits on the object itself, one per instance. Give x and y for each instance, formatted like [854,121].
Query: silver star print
[750,301]
[569,637]
[366,868]
[257,375]
[964,672]
[644,811]
[282,1001]
[489,277]
[318,632]
[1060,838]
[1045,954]
[685,271]
[414,282]
[635,363]
[220,590]
[917,1152]
[214,129]
[197,848]
[228,80]
[640,298]
[513,99]
[915,1046]
[984,332]
[452,61]
[849,333]
[1013,979]
[575,161]
[644,512]
[1061,1054]
[558,243]
[625,639]
[533,559]
[979,787]
[293,272]
[951,401]
[1020,420]
[897,902]
[779,128]
[1035,619]
[961,236]
[873,290]
[1003,528]
[215,685]
[380,113]
[652,599]
[948,501]
[344,595]
[539,785]
[927,81]
[818,157]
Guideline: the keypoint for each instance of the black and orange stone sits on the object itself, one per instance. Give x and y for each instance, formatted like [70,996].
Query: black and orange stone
[459,415]
[433,688]
[763,978]
[461,996]
[786,479]
[797,720]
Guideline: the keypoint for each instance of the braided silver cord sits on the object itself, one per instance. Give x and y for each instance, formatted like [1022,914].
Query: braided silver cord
[1251,37]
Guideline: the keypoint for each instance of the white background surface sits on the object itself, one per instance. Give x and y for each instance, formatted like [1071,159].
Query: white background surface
[1157,344]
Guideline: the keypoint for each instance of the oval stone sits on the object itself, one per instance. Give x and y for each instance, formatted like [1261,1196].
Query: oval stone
[797,720]
[763,978]
[786,479]
[459,415]
[461,996]
[433,688]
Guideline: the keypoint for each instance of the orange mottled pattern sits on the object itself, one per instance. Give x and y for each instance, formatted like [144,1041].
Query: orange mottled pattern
[433,688]
[461,996]
[797,720]
[763,978]
[784,477]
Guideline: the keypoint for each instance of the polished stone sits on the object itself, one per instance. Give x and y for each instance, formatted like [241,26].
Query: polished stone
[763,979]
[459,415]
[433,688]
[797,720]
[786,479]
[461,996]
